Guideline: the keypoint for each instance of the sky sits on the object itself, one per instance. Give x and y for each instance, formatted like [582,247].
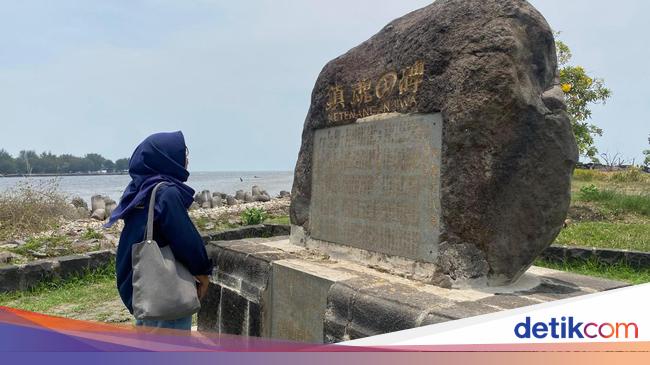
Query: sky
[236,76]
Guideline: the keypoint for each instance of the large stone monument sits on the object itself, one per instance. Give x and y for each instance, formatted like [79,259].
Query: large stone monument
[435,166]
[441,143]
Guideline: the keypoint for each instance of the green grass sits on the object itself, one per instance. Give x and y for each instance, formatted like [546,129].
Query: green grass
[620,272]
[92,234]
[616,201]
[283,219]
[49,245]
[628,236]
[627,176]
[79,294]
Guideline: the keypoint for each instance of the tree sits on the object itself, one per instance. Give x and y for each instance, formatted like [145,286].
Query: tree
[7,163]
[581,91]
[122,164]
[25,161]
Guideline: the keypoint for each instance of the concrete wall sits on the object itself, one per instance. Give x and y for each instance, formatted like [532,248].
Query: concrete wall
[270,288]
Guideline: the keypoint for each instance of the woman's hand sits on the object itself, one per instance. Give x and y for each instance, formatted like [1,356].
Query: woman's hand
[202,285]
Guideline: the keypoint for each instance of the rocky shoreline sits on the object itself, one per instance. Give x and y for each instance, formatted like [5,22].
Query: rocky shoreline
[86,233]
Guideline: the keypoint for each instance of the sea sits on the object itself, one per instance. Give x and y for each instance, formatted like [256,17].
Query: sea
[113,185]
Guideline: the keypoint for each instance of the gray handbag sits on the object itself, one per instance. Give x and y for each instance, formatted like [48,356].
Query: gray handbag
[163,289]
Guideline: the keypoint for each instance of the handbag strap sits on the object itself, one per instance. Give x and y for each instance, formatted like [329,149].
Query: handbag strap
[152,203]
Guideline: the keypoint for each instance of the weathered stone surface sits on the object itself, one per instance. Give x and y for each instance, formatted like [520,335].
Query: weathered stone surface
[234,309]
[639,260]
[239,195]
[248,197]
[216,201]
[256,190]
[97,202]
[99,259]
[360,172]
[274,289]
[262,198]
[579,253]
[9,278]
[489,66]
[238,301]
[74,265]
[301,289]
[6,257]
[209,313]
[110,206]
[554,254]
[609,257]
[35,272]
[230,200]
[260,230]
[99,214]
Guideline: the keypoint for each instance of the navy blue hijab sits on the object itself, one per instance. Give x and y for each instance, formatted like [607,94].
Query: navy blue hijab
[160,157]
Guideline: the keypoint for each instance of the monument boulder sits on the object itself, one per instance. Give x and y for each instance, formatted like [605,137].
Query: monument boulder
[443,140]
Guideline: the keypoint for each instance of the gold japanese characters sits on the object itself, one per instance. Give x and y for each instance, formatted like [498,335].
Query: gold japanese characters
[393,91]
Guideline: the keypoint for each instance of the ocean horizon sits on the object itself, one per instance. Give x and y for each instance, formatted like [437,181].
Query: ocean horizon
[228,182]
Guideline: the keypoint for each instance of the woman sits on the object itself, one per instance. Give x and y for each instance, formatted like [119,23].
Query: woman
[162,157]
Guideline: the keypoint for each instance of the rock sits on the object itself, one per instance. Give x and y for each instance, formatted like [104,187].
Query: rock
[110,206]
[6,257]
[207,204]
[230,200]
[8,246]
[553,98]
[194,206]
[239,195]
[256,190]
[85,245]
[223,195]
[198,198]
[248,197]
[78,202]
[15,243]
[97,202]
[37,254]
[206,197]
[262,198]
[284,194]
[507,152]
[99,214]
[216,201]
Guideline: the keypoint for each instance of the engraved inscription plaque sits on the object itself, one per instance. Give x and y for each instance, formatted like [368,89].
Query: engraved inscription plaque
[376,184]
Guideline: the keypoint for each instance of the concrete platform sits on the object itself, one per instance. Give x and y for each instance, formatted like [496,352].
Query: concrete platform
[268,287]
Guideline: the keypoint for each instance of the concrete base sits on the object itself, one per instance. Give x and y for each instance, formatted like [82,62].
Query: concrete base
[268,287]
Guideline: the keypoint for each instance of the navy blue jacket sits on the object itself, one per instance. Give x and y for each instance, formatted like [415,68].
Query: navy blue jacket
[172,226]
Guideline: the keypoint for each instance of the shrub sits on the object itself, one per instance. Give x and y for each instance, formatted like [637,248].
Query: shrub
[252,216]
[589,192]
[32,206]
[91,234]
[589,175]
[629,175]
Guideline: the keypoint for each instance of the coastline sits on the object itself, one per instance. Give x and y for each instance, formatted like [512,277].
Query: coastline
[67,174]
